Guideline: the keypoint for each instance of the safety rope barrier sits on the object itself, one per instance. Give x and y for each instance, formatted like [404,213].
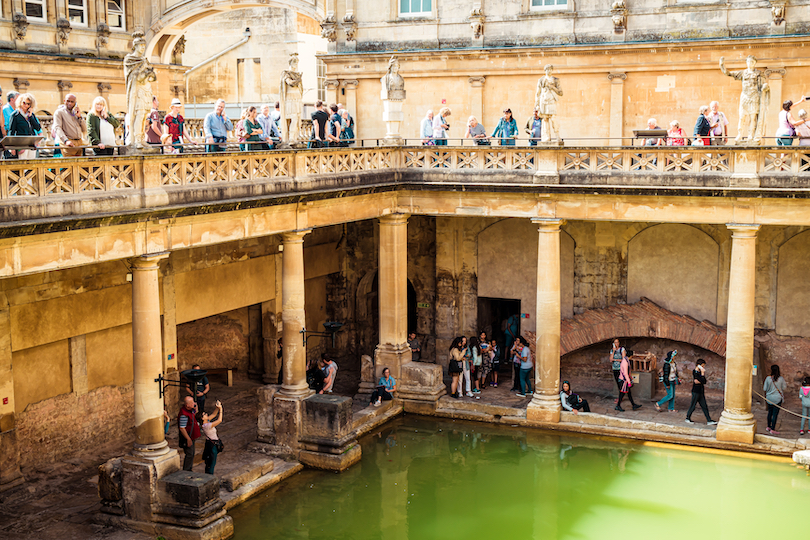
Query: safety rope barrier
[780,407]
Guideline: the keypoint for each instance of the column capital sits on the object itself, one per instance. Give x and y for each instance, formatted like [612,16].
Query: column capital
[743,230]
[148,262]
[295,237]
[331,83]
[548,224]
[617,78]
[350,83]
[394,219]
[477,82]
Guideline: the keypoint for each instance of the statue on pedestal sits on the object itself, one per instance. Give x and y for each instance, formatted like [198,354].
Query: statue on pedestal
[392,95]
[139,75]
[545,101]
[291,98]
[754,101]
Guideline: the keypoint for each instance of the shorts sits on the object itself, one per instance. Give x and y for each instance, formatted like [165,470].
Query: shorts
[496,366]
[454,367]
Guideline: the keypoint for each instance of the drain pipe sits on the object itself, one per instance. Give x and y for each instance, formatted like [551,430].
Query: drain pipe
[239,43]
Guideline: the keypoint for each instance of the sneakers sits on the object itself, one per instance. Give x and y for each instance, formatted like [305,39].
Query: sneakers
[495,385]
[636,406]
[657,407]
[801,432]
[689,421]
[470,394]
[377,403]
[520,394]
[476,391]
[618,408]
[711,423]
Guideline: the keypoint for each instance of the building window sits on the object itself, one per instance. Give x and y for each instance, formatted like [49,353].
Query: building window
[36,10]
[77,12]
[115,14]
[321,80]
[417,8]
[549,4]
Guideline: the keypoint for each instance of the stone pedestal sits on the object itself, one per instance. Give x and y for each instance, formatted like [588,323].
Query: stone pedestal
[393,117]
[266,422]
[286,424]
[392,357]
[368,376]
[327,439]
[420,386]
[190,499]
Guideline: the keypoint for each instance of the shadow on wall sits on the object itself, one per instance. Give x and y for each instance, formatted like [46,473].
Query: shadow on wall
[218,341]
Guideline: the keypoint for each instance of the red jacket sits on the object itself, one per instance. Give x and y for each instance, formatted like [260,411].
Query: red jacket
[194,432]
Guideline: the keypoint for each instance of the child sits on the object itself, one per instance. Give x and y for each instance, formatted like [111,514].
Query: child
[168,147]
[804,395]
[212,443]
[495,360]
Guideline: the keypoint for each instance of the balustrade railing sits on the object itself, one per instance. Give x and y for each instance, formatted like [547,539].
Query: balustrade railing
[75,176]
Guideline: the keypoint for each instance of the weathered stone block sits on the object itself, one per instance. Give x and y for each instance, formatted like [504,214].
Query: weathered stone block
[326,418]
[109,481]
[190,488]
[329,461]
[265,395]
[420,381]
[286,421]
[368,380]
[247,473]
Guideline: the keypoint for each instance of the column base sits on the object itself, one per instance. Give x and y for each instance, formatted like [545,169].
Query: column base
[544,409]
[296,392]
[735,427]
[391,357]
[151,451]
[420,381]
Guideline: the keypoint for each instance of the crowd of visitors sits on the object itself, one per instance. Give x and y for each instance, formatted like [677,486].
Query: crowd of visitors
[474,365]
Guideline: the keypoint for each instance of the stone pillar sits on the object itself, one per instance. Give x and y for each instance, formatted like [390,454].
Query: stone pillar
[147,355]
[393,350]
[476,98]
[616,107]
[350,101]
[545,405]
[737,424]
[331,91]
[294,357]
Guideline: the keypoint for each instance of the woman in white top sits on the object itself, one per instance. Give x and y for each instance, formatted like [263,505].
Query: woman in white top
[440,127]
[212,442]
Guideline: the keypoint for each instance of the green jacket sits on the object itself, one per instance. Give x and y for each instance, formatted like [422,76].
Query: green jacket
[94,127]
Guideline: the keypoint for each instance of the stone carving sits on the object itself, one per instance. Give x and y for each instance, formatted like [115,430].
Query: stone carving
[618,13]
[545,100]
[20,25]
[329,28]
[178,50]
[139,75]
[477,22]
[291,94]
[63,29]
[21,85]
[64,85]
[350,26]
[392,95]
[104,88]
[103,35]
[778,12]
[754,101]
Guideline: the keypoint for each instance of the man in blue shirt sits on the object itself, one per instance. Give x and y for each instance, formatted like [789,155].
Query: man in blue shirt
[9,109]
[269,128]
[533,127]
[216,126]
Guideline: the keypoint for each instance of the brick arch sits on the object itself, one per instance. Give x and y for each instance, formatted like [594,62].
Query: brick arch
[642,319]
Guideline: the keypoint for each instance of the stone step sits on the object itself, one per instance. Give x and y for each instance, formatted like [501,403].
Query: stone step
[281,470]
[595,419]
[450,404]
[247,469]
[369,413]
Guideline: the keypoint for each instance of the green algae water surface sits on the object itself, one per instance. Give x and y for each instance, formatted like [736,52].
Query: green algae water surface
[422,479]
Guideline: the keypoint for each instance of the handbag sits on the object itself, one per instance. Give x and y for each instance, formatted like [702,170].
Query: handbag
[220,446]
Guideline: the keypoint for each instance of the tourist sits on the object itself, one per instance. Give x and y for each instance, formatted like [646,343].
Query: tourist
[787,124]
[476,131]
[477,361]
[276,116]
[506,129]
[617,353]
[675,135]
[154,129]
[804,395]
[440,127]
[8,110]
[168,148]
[101,126]
[69,127]
[774,389]
[670,379]
[335,126]
[572,402]
[626,380]
[189,430]
[718,123]
[216,127]
[347,125]
[3,123]
[200,391]
[413,344]
[386,386]
[174,124]
[254,133]
[495,360]
[271,133]
[315,375]
[652,123]
[455,367]
[534,127]
[320,118]
[167,422]
[466,370]
[511,327]
[24,123]
[239,130]
[698,393]
[524,355]
[702,128]
[330,369]
[426,129]
[213,444]
[803,129]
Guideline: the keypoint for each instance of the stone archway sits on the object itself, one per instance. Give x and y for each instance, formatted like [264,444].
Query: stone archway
[792,294]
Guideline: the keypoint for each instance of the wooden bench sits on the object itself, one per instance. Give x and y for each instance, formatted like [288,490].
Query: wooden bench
[227,372]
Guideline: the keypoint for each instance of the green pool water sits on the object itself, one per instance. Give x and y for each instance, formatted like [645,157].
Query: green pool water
[421,479]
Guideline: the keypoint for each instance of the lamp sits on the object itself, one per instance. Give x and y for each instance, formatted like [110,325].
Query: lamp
[193,376]
[332,328]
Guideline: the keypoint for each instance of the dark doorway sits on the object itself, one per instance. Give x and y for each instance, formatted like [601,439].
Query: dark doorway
[412,320]
[493,314]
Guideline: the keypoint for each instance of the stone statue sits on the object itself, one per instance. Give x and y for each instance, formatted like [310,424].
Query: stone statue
[139,75]
[392,94]
[291,96]
[545,101]
[754,101]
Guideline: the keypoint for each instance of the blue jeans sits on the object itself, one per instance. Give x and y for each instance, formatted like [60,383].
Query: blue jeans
[507,142]
[805,412]
[773,415]
[669,397]
[216,147]
[210,457]
[784,141]
[525,381]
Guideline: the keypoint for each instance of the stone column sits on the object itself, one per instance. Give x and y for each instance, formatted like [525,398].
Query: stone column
[393,350]
[476,98]
[616,107]
[331,91]
[737,424]
[294,356]
[545,405]
[147,355]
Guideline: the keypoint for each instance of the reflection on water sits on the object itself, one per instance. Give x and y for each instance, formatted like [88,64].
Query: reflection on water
[422,479]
